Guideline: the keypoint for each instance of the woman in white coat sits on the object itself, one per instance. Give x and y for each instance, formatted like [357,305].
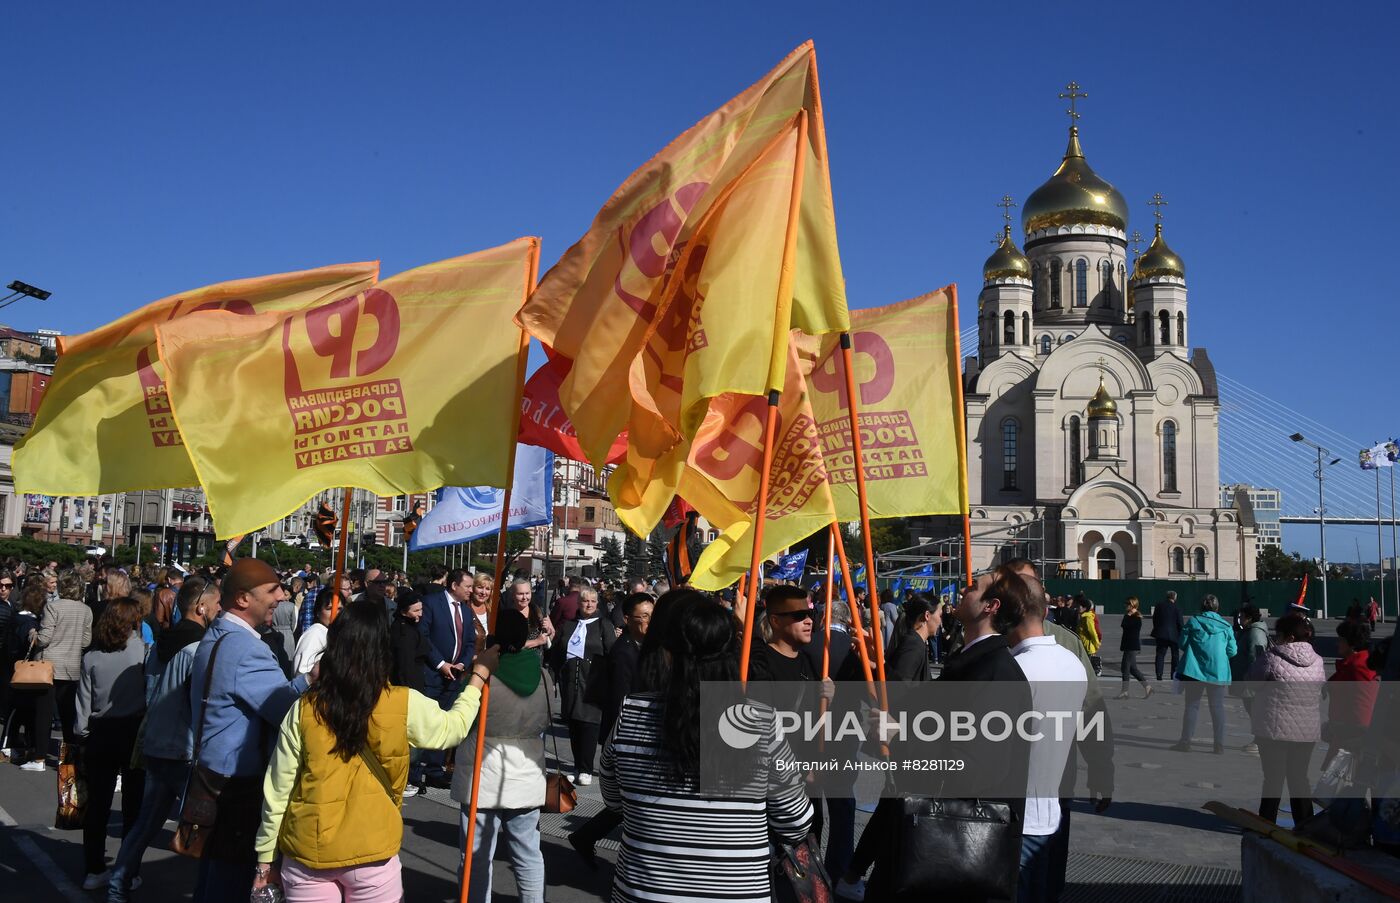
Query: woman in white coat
[512,768]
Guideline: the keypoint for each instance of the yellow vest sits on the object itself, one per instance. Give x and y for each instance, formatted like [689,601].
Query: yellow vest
[339,813]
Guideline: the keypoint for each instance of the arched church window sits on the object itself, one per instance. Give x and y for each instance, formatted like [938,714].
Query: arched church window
[1168,456]
[1055,283]
[1025,329]
[1037,285]
[1200,562]
[1076,451]
[1008,336]
[1181,330]
[1081,283]
[1045,343]
[1107,560]
[1178,563]
[1067,337]
[1008,453]
[1165,330]
[1146,332]
[1105,277]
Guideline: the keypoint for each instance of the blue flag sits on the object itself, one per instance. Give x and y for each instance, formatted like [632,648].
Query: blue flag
[790,567]
[462,514]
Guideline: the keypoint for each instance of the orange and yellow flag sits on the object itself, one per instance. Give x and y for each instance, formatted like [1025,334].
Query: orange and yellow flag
[721,478]
[907,377]
[401,388]
[678,294]
[105,425]
[905,358]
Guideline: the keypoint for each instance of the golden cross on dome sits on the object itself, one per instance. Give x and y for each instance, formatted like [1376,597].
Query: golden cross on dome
[1136,241]
[1158,204]
[1073,94]
[998,238]
[1006,203]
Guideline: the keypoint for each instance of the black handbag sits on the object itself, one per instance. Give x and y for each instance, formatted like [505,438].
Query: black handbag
[956,848]
[798,874]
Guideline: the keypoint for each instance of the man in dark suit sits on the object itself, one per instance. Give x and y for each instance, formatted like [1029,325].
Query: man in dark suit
[1166,630]
[450,629]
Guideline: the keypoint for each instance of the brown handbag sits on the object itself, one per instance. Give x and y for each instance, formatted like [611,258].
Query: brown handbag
[560,796]
[32,675]
[199,807]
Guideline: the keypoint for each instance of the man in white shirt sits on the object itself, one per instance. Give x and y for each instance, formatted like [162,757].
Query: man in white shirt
[1058,684]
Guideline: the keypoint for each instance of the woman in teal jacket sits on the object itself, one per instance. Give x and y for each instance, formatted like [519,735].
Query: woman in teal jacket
[1207,645]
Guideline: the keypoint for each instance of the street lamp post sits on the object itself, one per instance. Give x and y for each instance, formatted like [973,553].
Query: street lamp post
[1321,508]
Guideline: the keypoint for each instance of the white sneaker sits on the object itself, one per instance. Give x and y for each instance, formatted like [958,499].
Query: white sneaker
[851,890]
[585,779]
[410,790]
[93,882]
[118,788]
[33,765]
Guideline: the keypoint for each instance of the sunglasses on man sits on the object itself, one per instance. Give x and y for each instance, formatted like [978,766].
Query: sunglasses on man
[802,614]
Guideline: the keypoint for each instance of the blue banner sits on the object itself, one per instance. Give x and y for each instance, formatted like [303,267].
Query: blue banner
[790,567]
[462,514]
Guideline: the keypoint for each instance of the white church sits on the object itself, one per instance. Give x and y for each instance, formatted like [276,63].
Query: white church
[1089,415]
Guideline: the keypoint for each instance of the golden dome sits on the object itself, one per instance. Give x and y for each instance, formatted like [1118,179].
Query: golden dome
[1159,260]
[1102,405]
[1006,260]
[1074,195]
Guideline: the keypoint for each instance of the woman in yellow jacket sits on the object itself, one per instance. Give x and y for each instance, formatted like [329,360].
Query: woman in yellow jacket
[334,787]
[1089,632]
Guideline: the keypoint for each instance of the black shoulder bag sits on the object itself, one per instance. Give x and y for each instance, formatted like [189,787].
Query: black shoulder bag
[200,805]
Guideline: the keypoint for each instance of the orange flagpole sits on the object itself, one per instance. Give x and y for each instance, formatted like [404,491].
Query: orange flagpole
[521,360]
[856,450]
[960,423]
[340,553]
[826,628]
[777,367]
[855,613]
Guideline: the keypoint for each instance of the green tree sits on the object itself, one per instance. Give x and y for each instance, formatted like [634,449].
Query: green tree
[656,550]
[634,549]
[612,565]
[1272,563]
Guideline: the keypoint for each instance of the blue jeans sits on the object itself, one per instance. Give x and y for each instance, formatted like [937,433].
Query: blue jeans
[521,828]
[1059,853]
[1216,694]
[165,781]
[1033,886]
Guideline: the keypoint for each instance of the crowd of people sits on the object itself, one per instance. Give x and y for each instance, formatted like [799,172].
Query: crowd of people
[310,711]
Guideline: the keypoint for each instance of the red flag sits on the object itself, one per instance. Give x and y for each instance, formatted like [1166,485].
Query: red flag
[676,514]
[1302,594]
[543,422]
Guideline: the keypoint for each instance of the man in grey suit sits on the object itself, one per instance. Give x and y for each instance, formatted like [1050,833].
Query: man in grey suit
[1166,630]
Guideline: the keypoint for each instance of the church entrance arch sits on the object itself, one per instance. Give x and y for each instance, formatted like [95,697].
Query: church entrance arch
[1106,564]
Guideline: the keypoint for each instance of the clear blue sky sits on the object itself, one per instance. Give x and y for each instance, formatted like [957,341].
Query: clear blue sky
[156,147]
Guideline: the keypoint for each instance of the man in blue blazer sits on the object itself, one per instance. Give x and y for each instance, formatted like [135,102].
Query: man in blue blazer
[248,697]
[1166,630]
[447,623]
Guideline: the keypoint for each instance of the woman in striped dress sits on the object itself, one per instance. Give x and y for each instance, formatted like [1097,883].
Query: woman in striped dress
[678,844]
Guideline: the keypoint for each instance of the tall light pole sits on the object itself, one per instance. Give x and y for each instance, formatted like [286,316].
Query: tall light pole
[1321,508]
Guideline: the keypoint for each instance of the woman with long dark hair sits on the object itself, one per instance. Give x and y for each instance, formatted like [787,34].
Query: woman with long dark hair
[110,703]
[335,785]
[31,709]
[908,655]
[672,834]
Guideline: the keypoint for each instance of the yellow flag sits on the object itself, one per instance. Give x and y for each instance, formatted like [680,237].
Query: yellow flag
[105,425]
[402,388]
[703,221]
[907,377]
[721,478]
